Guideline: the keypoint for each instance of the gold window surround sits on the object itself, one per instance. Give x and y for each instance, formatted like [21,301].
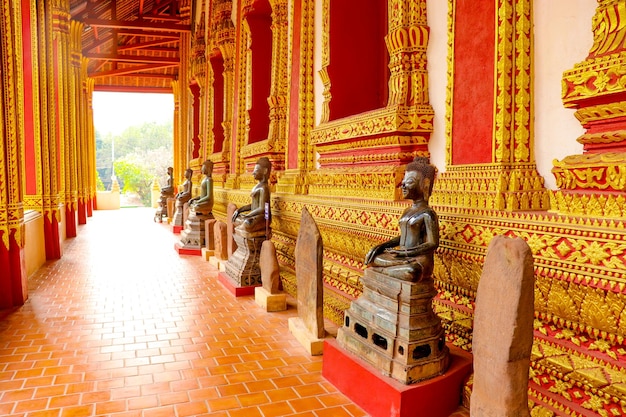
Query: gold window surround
[274,145]
[383,140]
[221,37]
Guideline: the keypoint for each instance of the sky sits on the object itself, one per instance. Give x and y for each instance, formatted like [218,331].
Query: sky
[114,112]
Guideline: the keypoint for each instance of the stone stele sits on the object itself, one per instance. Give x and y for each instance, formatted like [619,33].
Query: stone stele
[503,330]
[268,296]
[270,270]
[220,241]
[308,327]
[231,245]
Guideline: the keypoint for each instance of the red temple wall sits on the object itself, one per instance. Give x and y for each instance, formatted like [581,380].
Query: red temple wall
[472,118]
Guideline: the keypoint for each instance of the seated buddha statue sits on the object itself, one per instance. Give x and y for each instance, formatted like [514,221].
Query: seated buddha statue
[203,204]
[168,190]
[185,194]
[410,256]
[251,217]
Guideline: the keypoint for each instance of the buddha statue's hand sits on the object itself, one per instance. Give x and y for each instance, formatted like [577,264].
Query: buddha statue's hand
[372,254]
[235,215]
[398,252]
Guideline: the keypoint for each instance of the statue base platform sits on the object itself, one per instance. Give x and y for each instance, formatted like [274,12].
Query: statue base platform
[312,344]
[207,253]
[268,301]
[436,397]
[243,267]
[193,235]
[178,247]
[235,290]
[393,327]
[177,229]
[217,263]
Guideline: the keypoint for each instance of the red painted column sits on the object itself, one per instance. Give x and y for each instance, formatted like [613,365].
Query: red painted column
[13,284]
[82,212]
[52,236]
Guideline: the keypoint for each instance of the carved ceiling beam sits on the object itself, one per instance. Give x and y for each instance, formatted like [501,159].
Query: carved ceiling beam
[129,70]
[146,45]
[133,58]
[137,24]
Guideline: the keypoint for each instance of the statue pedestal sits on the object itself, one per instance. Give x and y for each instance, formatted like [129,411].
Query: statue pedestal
[243,267]
[436,397]
[207,253]
[218,263]
[236,290]
[178,218]
[310,342]
[161,210]
[192,238]
[393,327]
[177,229]
[268,301]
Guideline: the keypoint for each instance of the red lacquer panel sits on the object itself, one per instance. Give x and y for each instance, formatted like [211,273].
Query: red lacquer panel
[473,97]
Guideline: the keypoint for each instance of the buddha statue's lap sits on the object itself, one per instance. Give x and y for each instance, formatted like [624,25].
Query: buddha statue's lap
[412,269]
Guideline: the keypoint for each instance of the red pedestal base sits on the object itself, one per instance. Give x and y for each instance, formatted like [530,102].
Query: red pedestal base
[382,396]
[236,291]
[186,251]
[177,229]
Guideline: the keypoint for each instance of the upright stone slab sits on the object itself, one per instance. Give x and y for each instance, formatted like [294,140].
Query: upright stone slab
[270,270]
[220,234]
[503,330]
[209,239]
[231,245]
[220,253]
[308,327]
[268,296]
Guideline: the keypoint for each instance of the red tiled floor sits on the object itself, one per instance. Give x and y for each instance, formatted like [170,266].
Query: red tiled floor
[124,326]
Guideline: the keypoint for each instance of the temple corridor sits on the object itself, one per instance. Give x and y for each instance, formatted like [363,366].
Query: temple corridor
[122,325]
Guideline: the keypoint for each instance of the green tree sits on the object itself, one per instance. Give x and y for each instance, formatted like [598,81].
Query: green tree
[135,177]
[149,147]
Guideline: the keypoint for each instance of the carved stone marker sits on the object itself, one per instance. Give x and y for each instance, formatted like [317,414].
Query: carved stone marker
[308,327]
[268,296]
[220,254]
[231,245]
[503,330]
[209,239]
[221,237]
[270,271]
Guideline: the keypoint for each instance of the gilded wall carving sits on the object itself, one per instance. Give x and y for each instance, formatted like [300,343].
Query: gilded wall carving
[11,126]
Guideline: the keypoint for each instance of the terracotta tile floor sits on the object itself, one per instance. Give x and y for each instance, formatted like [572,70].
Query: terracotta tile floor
[124,326]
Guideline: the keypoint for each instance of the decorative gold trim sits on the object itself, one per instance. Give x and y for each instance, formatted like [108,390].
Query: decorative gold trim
[603,171]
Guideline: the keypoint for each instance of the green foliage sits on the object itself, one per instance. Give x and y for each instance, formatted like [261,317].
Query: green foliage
[140,153]
[135,177]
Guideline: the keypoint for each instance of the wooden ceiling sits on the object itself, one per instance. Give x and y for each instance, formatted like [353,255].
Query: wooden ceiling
[132,45]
